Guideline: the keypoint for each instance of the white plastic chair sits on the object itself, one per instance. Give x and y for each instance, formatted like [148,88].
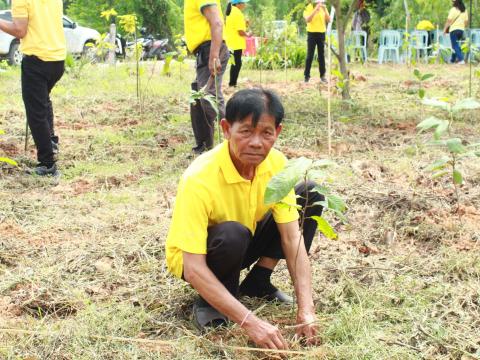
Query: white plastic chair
[389,48]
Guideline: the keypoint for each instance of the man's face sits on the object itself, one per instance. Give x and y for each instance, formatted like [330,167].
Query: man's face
[249,145]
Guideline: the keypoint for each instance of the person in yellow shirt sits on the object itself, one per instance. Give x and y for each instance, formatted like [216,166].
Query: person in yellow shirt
[204,37]
[456,23]
[236,29]
[316,16]
[39,26]
[220,224]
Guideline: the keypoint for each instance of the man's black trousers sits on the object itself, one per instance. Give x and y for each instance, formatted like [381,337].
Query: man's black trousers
[315,40]
[231,246]
[38,79]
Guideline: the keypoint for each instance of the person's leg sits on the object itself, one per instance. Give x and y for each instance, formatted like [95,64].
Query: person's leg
[455,46]
[202,120]
[266,245]
[216,93]
[321,54]
[227,244]
[310,55]
[57,68]
[35,98]
[235,68]
[460,56]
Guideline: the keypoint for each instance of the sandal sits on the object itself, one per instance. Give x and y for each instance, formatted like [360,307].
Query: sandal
[206,316]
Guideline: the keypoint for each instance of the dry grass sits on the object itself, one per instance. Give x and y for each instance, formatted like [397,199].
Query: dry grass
[82,273]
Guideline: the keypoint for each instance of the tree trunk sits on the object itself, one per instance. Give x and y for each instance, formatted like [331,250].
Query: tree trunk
[113,44]
[342,52]
[342,21]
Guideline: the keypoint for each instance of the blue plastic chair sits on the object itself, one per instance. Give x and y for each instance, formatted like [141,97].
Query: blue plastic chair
[419,43]
[474,37]
[358,43]
[389,49]
[444,45]
[334,34]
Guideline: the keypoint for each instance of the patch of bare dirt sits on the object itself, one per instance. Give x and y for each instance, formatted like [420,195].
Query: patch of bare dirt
[10,148]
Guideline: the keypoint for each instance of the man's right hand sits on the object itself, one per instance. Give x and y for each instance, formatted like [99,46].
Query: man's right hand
[214,64]
[264,334]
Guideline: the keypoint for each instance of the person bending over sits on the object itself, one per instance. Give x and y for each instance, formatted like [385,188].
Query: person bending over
[220,224]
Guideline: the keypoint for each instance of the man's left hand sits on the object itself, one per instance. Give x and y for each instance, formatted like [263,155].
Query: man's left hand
[307,327]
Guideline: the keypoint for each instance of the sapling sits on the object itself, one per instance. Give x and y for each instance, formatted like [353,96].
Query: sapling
[303,169]
[443,136]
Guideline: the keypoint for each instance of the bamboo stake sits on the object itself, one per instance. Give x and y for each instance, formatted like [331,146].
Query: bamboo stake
[329,97]
[317,352]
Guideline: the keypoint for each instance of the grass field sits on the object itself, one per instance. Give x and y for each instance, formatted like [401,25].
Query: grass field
[82,272]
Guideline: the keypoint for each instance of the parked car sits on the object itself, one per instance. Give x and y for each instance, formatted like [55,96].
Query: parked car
[77,37]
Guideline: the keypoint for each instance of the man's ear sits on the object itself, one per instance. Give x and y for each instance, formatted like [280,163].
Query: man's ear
[278,130]
[226,128]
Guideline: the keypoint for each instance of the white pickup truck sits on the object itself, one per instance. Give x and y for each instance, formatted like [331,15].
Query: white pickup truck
[77,37]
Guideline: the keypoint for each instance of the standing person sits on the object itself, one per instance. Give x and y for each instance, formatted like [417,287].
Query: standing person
[236,31]
[221,224]
[456,24]
[204,38]
[39,26]
[316,17]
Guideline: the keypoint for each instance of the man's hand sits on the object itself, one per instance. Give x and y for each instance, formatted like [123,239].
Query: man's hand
[214,64]
[307,327]
[264,334]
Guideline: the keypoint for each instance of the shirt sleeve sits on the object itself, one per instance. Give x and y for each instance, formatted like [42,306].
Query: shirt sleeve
[240,23]
[452,14]
[19,9]
[190,218]
[285,211]
[307,12]
[203,3]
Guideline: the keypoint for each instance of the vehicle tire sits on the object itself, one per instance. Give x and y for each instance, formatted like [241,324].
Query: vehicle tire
[89,51]
[14,56]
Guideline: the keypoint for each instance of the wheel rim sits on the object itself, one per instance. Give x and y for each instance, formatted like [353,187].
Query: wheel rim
[17,57]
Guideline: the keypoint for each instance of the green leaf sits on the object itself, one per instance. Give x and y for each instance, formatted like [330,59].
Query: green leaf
[431,122]
[439,164]
[436,103]
[417,74]
[325,228]
[440,130]
[466,104]
[2,132]
[316,174]
[457,177]
[421,93]
[336,203]
[283,182]
[8,161]
[440,174]
[455,146]
[427,76]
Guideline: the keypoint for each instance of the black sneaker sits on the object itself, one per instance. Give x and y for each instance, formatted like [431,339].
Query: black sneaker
[42,170]
[323,79]
[197,150]
[307,79]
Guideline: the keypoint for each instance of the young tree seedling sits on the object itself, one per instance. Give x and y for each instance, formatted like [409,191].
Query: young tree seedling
[443,136]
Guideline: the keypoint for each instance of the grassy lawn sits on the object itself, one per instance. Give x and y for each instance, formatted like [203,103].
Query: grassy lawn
[82,271]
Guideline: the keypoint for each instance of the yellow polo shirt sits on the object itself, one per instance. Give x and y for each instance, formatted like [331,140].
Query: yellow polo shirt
[318,22]
[45,37]
[197,28]
[210,192]
[234,23]
[459,19]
